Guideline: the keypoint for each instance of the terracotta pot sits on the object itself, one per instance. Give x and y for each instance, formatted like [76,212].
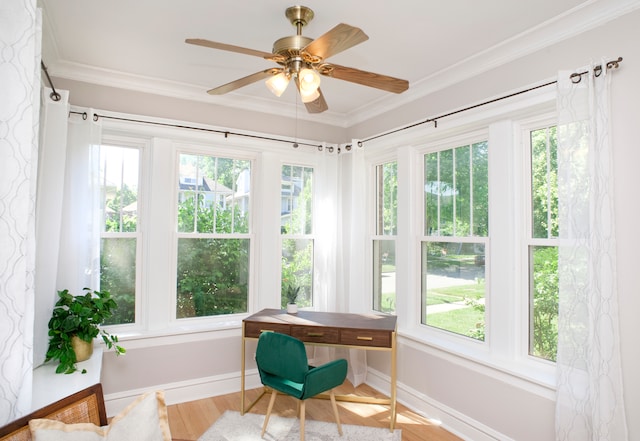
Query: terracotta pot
[83,349]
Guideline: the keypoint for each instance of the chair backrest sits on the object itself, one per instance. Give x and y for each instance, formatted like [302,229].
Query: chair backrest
[85,406]
[282,355]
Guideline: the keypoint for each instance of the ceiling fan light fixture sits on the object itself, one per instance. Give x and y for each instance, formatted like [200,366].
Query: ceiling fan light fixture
[309,96]
[277,84]
[309,80]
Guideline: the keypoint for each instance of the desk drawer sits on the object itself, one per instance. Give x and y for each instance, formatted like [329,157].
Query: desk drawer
[363,337]
[254,329]
[314,334]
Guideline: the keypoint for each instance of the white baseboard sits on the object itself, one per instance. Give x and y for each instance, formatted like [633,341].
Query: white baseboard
[180,392]
[183,391]
[448,418]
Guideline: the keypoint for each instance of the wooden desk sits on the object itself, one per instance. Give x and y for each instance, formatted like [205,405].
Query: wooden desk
[362,331]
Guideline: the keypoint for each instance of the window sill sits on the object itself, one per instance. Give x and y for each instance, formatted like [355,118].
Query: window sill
[49,387]
[537,376]
[185,331]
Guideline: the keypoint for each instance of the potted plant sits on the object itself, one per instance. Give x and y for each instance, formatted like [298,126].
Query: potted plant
[291,293]
[75,323]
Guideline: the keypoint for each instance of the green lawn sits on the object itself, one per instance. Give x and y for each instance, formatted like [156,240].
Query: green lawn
[464,321]
[460,321]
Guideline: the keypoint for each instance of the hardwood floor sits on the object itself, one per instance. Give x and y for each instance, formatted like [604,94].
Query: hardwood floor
[190,420]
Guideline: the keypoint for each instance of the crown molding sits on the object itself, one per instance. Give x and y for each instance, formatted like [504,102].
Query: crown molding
[587,16]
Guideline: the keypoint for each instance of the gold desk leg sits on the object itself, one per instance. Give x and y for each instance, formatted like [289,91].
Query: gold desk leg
[394,375]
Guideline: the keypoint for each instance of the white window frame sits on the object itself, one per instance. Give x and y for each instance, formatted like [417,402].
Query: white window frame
[526,127]
[373,226]
[184,148]
[312,236]
[504,353]
[156,324]
[142,145]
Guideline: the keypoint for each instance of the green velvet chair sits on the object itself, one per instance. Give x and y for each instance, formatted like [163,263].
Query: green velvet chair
[283,367]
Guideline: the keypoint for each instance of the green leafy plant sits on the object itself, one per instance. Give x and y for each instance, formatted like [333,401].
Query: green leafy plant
[79,316]
[291,293]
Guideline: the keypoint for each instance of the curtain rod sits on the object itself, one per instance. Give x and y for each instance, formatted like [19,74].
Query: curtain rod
[53,95]
[226,133]
[575,78]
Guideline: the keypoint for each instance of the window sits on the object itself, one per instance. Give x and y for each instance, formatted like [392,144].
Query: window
[456,229]
[213,235]
[296,227]
[120,236]
[542,244]
[384,243]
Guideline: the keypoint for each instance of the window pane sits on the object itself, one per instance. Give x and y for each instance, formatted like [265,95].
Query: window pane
[453,272]
[384,275]
[119,239]
[118,276]
[119,188]
[453,287]
[213,195]
[297,271]
[544,183]
[296,227]
[296,200]
[213,276]
[480,189]
[431,192]
[543,251]
[386,198]
[456,191]
[543,341]
[446,193]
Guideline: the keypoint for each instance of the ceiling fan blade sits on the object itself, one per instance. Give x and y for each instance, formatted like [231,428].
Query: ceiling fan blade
[237,84]
[232,48]
[370,79]
[338,39]
[318,105]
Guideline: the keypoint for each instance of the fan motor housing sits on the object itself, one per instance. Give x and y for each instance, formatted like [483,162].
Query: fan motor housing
[290,46]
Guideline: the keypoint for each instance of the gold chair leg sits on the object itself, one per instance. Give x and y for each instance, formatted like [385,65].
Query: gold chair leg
[302,420]
[266,418]
[335,411]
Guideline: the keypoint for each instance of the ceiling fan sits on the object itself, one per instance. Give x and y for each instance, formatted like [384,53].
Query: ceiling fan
[302,60]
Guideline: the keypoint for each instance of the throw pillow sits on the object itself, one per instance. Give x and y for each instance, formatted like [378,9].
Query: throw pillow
[145,419]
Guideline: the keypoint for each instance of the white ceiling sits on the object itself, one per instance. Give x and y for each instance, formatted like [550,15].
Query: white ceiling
[140,44]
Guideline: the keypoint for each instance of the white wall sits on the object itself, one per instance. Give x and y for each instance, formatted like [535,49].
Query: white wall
[432,381]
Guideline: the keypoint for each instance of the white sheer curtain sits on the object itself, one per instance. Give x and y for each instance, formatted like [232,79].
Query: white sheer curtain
[589,402]
[79,258]
[349,174]
[51,170]
[325,224]
[20,34]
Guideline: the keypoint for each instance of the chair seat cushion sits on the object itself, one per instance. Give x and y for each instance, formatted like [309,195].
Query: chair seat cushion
[283,385]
